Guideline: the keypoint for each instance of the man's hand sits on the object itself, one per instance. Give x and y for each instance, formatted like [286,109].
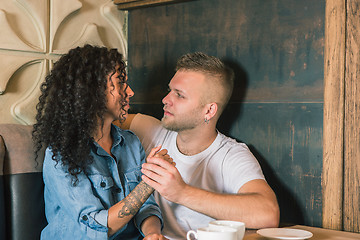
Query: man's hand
[155,236]
[164,177]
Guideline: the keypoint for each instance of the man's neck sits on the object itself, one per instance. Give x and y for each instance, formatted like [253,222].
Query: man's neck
[191,142]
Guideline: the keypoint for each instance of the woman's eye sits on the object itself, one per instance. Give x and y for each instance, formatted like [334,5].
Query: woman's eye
[124,85]
[122,82]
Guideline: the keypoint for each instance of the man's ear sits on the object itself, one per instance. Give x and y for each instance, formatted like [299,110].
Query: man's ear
[211,110]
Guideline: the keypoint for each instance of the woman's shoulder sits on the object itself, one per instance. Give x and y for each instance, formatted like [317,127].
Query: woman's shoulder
[127,135]
[124,132]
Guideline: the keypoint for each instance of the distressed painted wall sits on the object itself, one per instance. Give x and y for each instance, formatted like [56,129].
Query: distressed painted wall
[276,49]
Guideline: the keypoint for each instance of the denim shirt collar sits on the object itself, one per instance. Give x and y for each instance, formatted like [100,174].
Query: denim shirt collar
[118,139]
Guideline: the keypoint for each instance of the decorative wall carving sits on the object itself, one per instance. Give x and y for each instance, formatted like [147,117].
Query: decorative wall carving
[34,34]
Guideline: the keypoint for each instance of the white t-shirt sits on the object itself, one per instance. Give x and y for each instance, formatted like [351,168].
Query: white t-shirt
[223,167]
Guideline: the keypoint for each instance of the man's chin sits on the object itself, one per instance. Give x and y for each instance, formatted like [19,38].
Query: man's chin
[170,125]
[165,123]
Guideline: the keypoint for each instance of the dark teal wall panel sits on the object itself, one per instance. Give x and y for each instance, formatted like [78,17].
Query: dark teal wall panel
[287,140]
[276,49]
[278,43]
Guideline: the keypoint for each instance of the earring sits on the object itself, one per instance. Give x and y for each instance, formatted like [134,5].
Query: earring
[206,121]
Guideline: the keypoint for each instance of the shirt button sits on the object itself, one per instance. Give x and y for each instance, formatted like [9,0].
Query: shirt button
[102,184]
[85,218]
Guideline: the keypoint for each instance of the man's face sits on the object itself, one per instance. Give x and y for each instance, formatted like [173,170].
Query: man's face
[183,108]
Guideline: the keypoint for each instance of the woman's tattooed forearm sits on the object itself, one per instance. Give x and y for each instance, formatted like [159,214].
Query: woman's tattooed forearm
[137,197]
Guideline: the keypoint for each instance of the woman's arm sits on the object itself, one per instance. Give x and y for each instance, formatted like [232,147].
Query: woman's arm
[122,212]
[151,227]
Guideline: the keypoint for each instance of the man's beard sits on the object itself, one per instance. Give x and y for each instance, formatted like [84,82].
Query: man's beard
[184,122]
[176,126]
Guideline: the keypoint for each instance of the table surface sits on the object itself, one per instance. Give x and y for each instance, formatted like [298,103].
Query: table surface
[318,234]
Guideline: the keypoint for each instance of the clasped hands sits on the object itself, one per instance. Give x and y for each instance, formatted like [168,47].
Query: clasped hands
[160,172]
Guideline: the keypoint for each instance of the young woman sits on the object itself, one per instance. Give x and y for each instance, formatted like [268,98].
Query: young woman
[91,171]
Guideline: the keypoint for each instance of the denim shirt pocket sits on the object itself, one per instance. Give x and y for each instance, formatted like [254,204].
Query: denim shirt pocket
[133,178]
[103,186]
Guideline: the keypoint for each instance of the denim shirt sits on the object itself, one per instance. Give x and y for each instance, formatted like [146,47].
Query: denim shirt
[81,211]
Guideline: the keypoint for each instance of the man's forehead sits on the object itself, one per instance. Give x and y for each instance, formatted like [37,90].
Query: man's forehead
[189,83]
[187,78]
[178,88]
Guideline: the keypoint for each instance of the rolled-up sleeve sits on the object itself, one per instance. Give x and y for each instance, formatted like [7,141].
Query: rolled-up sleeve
[96,221]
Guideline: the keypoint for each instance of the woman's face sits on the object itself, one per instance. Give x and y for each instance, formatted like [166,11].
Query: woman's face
[118,94]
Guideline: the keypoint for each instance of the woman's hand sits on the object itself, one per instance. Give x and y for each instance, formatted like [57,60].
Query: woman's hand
[163,154]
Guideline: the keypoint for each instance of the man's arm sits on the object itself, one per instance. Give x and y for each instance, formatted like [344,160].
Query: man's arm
[144,126]
[256,206]
[255,203]
[126,124]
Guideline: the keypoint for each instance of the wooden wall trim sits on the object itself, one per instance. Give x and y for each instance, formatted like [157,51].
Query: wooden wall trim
[351,213]
[341,139]
[333,148]
[131,4]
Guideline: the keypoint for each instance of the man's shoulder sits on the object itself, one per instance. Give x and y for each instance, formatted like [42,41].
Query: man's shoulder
[229,142]
[141,119]
[144,124]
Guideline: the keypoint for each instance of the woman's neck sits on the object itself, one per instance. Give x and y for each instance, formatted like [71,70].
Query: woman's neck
[103,137]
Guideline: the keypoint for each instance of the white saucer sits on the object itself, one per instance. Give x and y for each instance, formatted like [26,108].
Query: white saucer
[284,233]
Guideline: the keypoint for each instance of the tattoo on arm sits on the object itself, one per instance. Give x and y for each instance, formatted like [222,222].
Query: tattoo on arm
[133,201]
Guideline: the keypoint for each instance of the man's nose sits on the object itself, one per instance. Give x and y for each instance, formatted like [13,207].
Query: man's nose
[166,99]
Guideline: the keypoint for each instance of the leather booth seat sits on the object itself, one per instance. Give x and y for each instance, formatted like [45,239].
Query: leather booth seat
[22,212]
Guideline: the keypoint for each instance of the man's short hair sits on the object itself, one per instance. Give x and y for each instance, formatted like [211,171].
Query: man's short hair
[219,76]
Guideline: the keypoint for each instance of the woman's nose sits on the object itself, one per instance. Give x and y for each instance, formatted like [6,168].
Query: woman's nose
[129,92]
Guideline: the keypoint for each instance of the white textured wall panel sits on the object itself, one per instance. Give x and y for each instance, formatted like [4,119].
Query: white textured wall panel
[34,33]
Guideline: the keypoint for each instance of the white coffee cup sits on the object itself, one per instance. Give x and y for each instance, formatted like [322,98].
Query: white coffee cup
[239,226]
[225,233]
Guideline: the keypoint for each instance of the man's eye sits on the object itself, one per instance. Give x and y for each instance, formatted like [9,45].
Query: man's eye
[179,95]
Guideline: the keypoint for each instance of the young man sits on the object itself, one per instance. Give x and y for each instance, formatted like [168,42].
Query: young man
[215,177]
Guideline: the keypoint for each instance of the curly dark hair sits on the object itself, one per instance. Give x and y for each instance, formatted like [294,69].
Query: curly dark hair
[72,101]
